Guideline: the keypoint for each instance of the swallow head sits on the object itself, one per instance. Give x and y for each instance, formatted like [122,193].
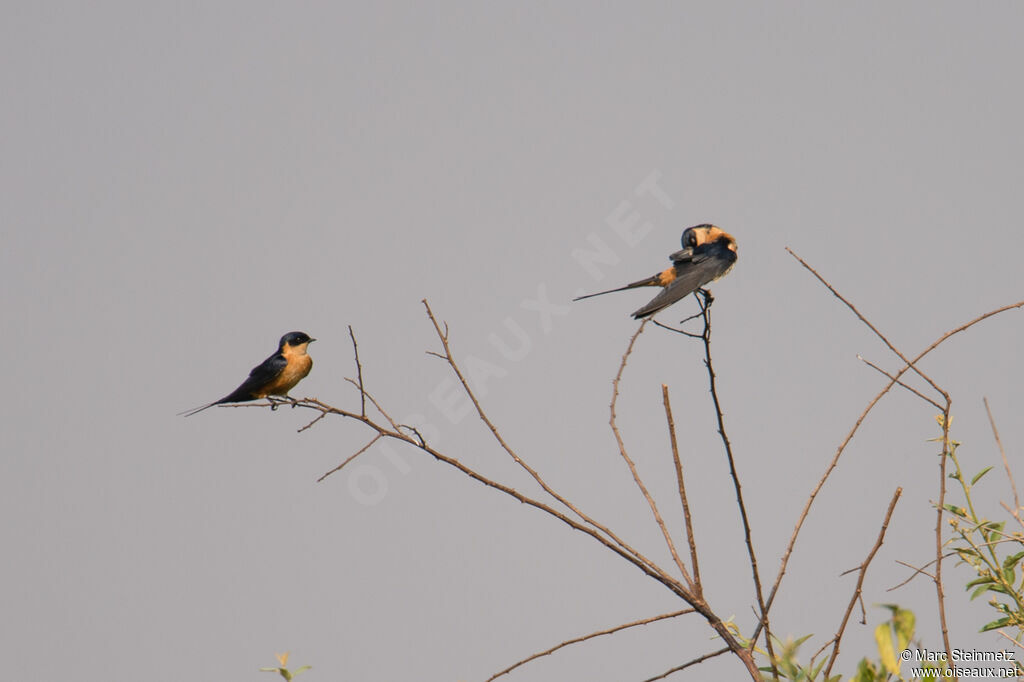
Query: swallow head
[699,235]
[297,340]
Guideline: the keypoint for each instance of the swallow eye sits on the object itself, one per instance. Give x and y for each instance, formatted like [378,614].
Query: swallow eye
[691,239]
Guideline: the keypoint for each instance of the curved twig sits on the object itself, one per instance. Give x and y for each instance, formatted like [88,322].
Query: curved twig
[584,638]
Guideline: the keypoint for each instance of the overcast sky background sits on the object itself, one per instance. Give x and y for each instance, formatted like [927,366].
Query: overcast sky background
[184,184]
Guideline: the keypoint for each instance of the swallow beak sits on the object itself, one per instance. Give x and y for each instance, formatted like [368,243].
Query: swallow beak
[311,340]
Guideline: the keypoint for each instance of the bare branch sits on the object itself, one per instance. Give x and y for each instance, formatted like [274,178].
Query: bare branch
[939,511]
[443,337]
[695,565]
[863,569]
[350,457]
[916,572]
[684,666]
[868,324]
[359,369]
[849,437]
[584,638]
[315,420]
[1011,639]
[712,379]
[632,466]
[395,434]
[1006,463]
[910,388]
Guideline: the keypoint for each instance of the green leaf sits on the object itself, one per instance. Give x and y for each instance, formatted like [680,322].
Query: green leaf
[1002,622]
[983,580]
[865,671]
[800,641]
[953,509]
[977,476]
[883,638]
[1013,560]
[980,591]
[963,552]
[904,622]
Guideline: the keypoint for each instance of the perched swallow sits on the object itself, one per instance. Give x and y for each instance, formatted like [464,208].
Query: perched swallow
[276,375]
[707,254]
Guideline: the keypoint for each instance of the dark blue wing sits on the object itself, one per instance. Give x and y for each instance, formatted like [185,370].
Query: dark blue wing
[261,375]
[701,268]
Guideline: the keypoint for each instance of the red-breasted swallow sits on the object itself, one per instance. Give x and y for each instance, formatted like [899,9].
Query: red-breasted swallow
[276,375]
[708,253]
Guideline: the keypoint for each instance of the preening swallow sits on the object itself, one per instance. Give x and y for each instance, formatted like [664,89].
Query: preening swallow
[707,254]
[276,375]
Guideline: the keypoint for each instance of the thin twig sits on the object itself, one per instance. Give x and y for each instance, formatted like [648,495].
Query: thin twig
[312,423]
[359,369]
[584,638]
[450,359]
[863,569]
[694,564]
[849,437]
[684,666]
[868,324]
[350,457]
[1012,640]
[1002,453]
[917,570]
[910,388]
[632,466]
[940,510]
[712,378]
[394,434]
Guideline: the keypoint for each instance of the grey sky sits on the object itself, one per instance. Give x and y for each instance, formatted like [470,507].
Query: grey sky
[182,185]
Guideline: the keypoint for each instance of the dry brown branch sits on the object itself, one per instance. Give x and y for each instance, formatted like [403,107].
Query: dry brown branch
[350,457]
[939,512]
[1006,463]
[313,422]
[684,666]
[373,401]
[695,565]
[582,523]
[584,638]
[450,359]
[849,437]
[359,370]
[1011,639]
[862,571]
[632,465]
[917,570]
[910,388]
[868,324]
[763,622]
[384,431]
